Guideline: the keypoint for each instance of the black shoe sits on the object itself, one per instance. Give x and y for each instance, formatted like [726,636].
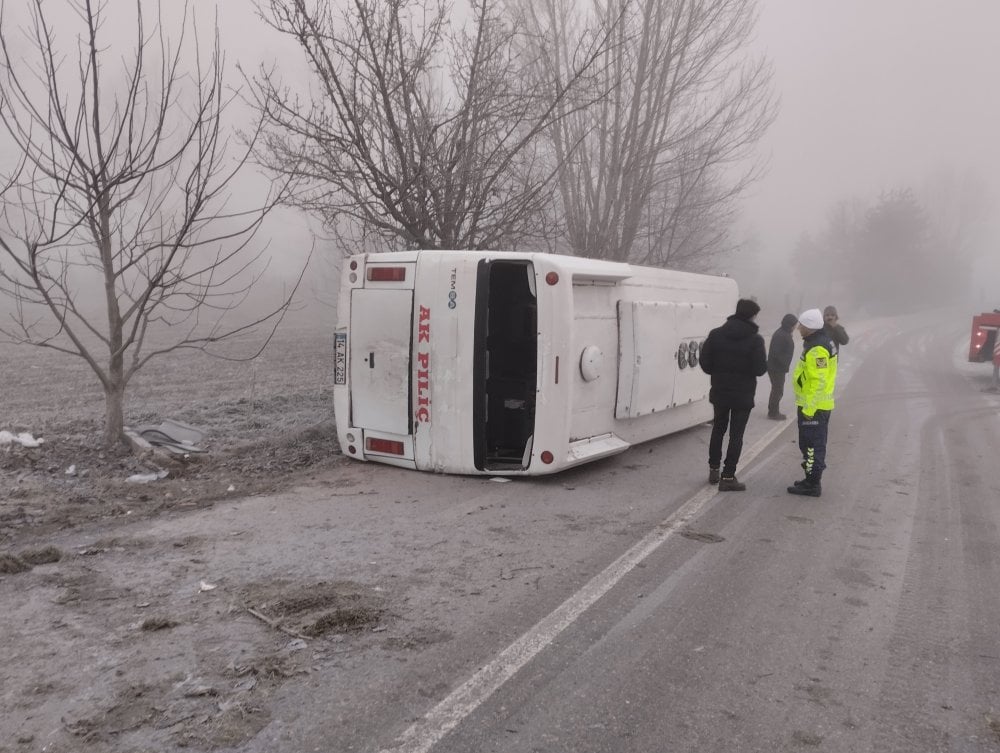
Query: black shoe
[777,416]
[810,479]
[806,489]
[731,485]
[713,475]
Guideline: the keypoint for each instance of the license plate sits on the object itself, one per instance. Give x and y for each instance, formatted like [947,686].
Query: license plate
[340,358]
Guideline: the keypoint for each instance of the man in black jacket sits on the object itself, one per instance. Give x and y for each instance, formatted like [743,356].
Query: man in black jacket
[833,328]
[779,360]
[733,355]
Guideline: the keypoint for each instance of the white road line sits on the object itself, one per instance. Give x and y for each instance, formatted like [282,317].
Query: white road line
[425,733]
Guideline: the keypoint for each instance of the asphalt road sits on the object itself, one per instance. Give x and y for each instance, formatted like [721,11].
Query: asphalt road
[867,620]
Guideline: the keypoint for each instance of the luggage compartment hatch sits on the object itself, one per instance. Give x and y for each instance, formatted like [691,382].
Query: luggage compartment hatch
[658,347]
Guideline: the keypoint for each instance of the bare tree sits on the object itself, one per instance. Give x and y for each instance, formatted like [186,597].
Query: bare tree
[866,247]
[121,186]
[960,206]
[648,173]
[420,131]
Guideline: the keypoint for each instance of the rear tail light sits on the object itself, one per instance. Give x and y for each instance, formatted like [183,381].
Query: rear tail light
[388,446]
[547,457]
[386,274]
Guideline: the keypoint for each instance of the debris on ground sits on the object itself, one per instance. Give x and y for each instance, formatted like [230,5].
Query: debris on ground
[173,436]
[145,478]
[157,623]
[24,438]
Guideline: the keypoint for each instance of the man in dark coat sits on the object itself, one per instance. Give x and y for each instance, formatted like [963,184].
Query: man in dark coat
[733,355]
[779,360]
[833,328]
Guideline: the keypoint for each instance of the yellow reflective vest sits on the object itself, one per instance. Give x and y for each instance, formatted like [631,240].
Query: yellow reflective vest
[815,374]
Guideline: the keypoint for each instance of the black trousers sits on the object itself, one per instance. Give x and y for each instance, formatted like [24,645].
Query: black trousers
[777,390]
[812,441]
[735,420]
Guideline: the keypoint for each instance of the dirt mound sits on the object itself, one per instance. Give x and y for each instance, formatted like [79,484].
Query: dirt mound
[317,609]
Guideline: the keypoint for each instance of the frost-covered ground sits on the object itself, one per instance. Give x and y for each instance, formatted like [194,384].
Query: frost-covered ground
[266,423]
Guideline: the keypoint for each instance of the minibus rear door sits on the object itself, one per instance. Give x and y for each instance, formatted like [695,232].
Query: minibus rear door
[381,327]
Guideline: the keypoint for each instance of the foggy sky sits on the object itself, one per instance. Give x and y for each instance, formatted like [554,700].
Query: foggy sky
[875,95]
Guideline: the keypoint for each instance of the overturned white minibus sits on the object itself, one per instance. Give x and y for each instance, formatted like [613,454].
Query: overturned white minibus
[516,363]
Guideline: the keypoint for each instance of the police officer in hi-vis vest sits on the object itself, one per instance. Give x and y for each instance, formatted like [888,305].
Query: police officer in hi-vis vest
[813,381]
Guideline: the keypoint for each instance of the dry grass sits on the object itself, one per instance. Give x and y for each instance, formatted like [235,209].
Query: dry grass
[11,565]
[44,556]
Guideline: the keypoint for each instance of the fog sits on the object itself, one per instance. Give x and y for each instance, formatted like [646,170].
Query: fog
[875,96]
[287,238]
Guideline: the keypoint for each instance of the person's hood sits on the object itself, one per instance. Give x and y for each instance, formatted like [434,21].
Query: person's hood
[736,328]
[788,322]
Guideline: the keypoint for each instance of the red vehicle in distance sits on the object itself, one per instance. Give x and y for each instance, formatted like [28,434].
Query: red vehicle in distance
[984,345]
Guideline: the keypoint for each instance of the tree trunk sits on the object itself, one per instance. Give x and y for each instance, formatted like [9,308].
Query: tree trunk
[114,413]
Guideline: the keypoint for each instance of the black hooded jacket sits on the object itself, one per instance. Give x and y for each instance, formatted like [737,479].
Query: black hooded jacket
[733,355]
[782,350]
[838,336]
